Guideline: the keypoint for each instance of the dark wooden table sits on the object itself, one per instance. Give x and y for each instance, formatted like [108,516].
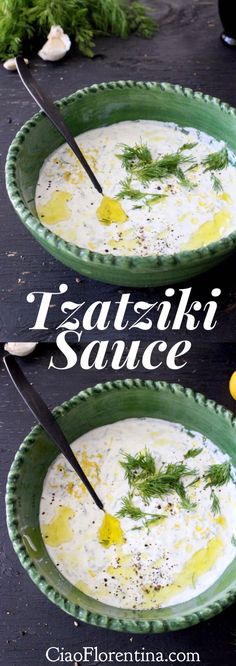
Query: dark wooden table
[186,50]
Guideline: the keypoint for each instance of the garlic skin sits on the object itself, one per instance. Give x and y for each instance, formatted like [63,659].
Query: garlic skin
[56,46]
[10,64]
[20,348]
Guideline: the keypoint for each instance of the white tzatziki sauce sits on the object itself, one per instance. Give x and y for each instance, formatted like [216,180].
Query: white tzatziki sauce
[186,216]
[158,562]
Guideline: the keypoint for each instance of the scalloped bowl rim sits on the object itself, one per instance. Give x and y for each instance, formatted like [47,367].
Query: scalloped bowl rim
[70,249]
[107,619]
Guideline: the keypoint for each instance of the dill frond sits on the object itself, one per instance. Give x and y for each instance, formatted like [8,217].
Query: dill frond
[129,509]
[188,146]
[129,192]
[109,17]
[153,521]
[216,161]
[192,453]
[217,185]
[185,501]
[138,466]
[22,21]
[138,161]
[233,540]
[133,157]
[192,483]
[15,27]
[215,503]
[218,475]
[181,176]
[150,522]
[155,198]
[148,482]
[164,167]
[140,20]
[164,481]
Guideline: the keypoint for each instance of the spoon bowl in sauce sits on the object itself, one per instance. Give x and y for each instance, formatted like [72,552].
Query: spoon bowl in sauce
[110,210]
[110,532]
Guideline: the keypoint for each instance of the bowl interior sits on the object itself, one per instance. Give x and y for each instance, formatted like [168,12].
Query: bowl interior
[92,408]
[110,103]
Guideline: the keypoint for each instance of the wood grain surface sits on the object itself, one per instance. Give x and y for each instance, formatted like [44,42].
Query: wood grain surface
[187,50]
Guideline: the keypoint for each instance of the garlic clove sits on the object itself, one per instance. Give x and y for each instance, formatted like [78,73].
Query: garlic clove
[56,46]
[10,64]
[20,348]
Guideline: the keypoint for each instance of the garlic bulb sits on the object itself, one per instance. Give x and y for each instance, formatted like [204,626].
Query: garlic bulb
[56,46]
[20,348]
[10,64]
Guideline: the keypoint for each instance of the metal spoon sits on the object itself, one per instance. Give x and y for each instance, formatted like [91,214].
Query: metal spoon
[46,419]
[54,115]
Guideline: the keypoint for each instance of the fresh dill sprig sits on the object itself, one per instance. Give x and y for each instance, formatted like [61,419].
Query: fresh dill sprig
[181,176]
[233,540]
[216,161]
[217,185]
[155,198]
[154,521]
[148,482]
[185,501]
[166,480]
[149,522]
[139,20]
[21,22]
[129,509]
[138,160]
[133,157]
[163,167]
[215,504]
[192,453]
[188,146]
[139,466]
[197,478]
[129,192]
[218,475]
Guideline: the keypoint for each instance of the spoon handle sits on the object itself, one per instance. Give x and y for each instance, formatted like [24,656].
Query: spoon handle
[46,419]
[54,115]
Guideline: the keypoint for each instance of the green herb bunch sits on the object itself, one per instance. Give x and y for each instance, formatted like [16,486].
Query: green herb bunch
[23,22]
[129,509]
[139,164]
[146,481]
[138,161]
[216,476]
[216,162]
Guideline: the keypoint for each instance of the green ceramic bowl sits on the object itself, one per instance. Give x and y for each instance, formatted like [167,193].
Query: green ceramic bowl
[105,104]
[107,403]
